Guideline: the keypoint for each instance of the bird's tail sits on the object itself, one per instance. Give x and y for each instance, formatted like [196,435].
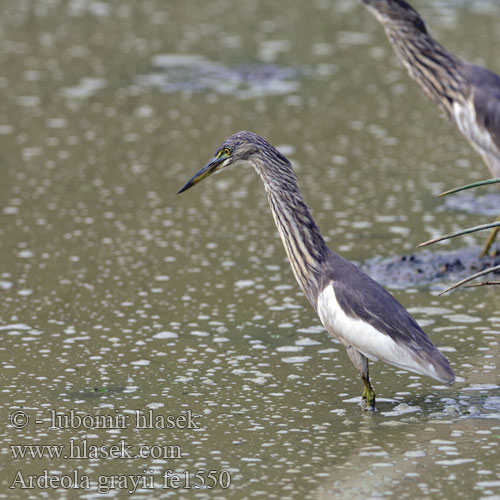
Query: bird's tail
[434,364]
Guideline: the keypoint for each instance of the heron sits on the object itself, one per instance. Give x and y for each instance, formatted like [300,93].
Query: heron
[467,95]
[366,319]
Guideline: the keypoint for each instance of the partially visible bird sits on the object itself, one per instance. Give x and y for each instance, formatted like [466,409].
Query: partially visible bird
[355,309]
[467,94]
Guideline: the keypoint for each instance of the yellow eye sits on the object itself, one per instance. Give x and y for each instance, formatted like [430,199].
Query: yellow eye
[224,152]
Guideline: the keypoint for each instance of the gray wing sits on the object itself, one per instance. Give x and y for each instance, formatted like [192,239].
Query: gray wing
[361,297]
[486,95]
[481,77]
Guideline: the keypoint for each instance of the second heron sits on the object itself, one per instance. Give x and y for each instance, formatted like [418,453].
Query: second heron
[467,94]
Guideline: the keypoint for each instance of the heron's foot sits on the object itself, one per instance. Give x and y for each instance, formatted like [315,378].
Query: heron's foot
[368,403]
[489,241]
[368,397]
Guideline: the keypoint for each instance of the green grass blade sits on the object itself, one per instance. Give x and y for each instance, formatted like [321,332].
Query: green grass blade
[470,186]
[470,278]
[482,227]
[483,283]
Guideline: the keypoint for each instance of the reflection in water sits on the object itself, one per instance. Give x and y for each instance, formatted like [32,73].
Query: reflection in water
[483,204]
[193,73]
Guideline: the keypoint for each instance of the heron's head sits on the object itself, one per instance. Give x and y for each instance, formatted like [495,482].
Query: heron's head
[396,13]
[240,147]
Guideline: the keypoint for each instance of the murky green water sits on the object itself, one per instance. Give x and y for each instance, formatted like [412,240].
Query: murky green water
[118,296]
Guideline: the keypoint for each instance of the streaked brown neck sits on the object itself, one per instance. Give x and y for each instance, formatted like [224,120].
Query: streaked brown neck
[301,237]
[437,72]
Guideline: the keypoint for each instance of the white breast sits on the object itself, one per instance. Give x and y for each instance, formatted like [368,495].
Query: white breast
[480,138]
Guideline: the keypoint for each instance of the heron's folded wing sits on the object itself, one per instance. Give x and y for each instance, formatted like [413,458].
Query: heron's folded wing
[363,298]
[486,94]
[382,327]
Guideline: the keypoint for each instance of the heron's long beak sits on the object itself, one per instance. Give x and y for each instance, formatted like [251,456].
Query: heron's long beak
[208,169]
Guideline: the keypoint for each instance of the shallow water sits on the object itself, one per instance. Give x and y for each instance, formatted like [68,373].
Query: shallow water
[118,296]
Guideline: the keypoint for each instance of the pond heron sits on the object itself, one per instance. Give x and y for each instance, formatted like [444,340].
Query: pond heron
[367,320]
[467,94]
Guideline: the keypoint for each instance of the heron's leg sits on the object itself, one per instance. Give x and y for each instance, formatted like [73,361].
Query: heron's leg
[368,393]
[361,363]
[490,240]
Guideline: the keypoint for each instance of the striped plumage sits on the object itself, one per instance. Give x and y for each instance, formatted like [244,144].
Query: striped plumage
[304,245]
[467,94]
[353,308]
